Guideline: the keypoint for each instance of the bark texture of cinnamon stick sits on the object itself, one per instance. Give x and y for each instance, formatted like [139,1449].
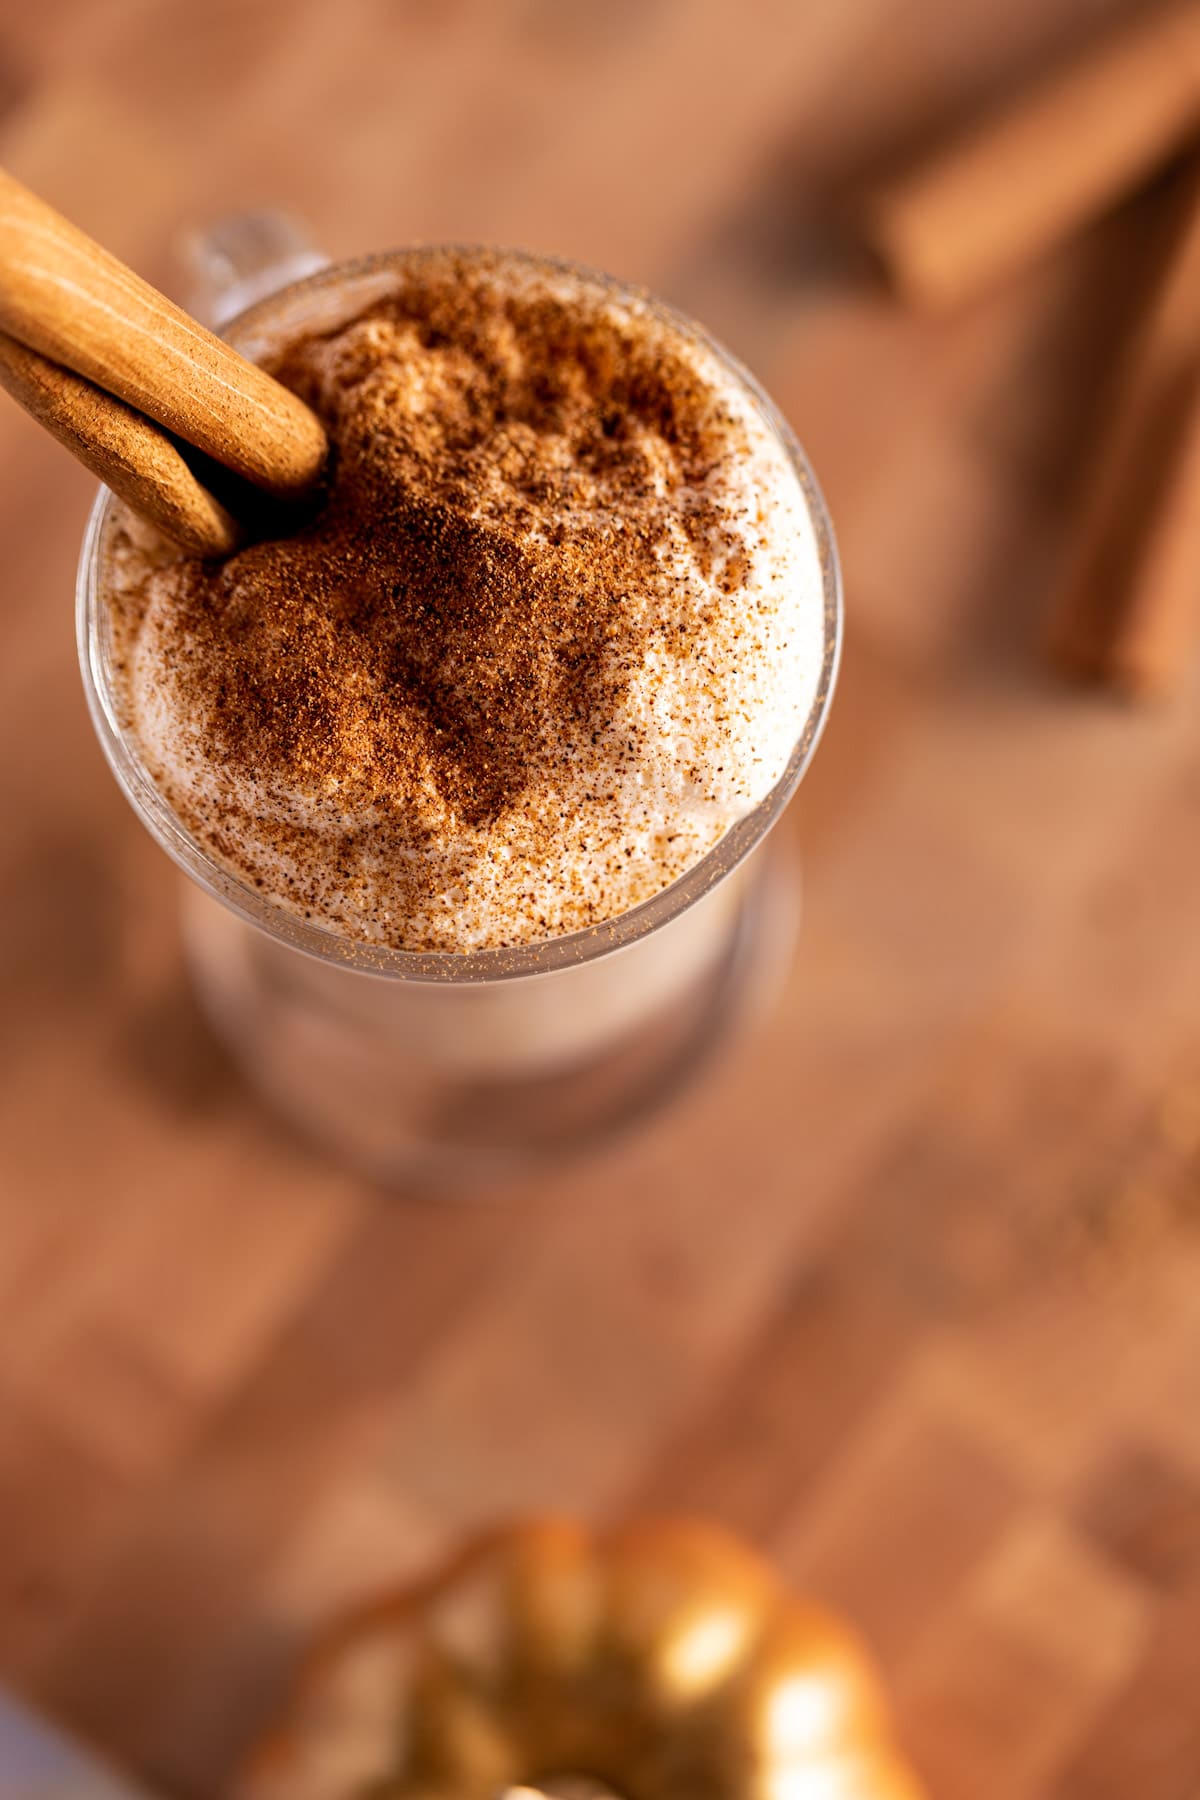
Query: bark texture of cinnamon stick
[66,298]
[132,456]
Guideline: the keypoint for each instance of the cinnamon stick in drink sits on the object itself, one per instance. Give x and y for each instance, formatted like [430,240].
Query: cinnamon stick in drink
[1082,137]
[1130,592]
[128,452]
[68,300]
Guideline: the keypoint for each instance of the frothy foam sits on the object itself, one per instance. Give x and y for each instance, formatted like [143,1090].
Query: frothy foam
[559,626]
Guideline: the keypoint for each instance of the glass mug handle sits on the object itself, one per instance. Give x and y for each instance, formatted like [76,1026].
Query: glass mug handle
[243,258]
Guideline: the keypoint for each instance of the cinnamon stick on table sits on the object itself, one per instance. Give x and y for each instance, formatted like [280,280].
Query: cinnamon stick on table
[1130,592]
[1082,137]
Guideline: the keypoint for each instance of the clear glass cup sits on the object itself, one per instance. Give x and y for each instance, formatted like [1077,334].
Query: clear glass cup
[440,1067]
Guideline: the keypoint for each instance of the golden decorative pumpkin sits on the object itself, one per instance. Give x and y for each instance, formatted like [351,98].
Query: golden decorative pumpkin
[661,1661]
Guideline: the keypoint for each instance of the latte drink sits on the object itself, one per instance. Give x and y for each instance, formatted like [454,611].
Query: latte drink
[484,736]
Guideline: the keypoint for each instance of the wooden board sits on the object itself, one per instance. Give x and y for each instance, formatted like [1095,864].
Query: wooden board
[911,1292]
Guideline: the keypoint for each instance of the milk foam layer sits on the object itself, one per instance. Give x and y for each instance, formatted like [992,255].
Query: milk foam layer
[576,787]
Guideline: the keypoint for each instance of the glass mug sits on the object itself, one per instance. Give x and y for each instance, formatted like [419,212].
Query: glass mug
[440,1067]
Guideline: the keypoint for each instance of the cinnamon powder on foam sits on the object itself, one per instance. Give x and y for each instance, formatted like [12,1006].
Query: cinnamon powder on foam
[488,694]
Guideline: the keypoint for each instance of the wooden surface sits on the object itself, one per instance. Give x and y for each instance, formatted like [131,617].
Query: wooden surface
[911,1292]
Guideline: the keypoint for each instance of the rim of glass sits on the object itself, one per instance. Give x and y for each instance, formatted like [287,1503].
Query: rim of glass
[93,626]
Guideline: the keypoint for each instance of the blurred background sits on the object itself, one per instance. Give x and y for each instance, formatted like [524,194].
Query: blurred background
[909,1290]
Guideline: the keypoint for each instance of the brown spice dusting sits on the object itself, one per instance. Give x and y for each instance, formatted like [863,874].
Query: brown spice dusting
[411,635]
[512,471]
